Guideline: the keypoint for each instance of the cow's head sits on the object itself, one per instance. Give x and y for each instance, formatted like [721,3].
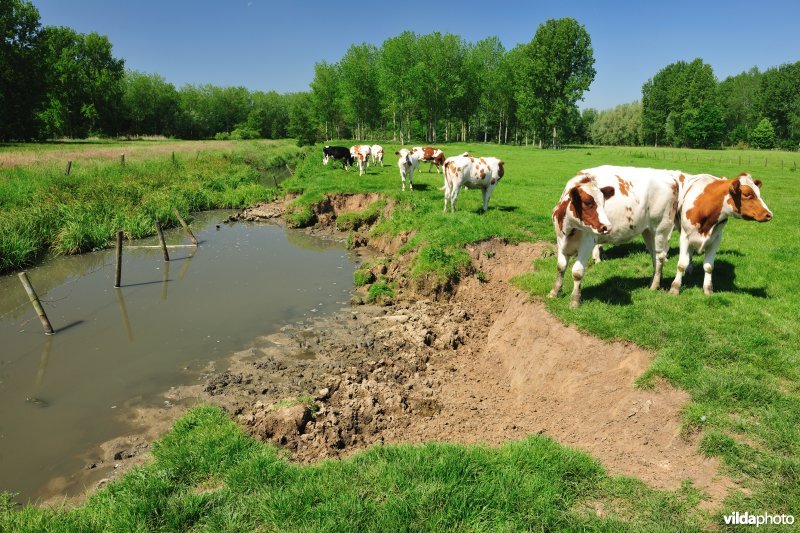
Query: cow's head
[746,199]
[325,156]
[405,156]
[587,203]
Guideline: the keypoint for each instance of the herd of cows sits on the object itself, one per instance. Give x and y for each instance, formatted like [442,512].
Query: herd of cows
[603,205]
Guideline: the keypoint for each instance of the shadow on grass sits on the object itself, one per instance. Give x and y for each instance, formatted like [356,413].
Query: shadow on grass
[617,290]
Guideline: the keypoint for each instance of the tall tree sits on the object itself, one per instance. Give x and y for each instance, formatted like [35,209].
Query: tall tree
[555,69]
[151,104]
[739,100]
[325,97]
[359,88]
[21,69]
[398,78]
[84,84]
[780,101]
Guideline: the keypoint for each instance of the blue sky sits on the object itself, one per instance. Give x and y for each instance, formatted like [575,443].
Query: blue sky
[266,45]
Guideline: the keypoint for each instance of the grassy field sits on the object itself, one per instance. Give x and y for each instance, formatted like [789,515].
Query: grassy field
[42,210]
[737,353]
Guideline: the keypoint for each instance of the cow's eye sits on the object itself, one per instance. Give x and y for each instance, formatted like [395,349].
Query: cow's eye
[749,196]
[588,203]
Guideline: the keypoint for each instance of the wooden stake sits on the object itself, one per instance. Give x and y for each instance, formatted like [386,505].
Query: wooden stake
[69,167]
[173,158]
[37,305]
[165,282]
[122,160]
[185,226]
[161,240]
[118,273]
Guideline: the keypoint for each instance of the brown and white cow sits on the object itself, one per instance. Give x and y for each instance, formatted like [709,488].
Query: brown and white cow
[376,154]
[408,162]
[614,205]
[706,204]
[431,154]
[361,153]
[471,173]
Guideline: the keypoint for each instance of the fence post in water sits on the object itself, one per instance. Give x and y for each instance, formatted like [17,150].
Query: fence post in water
[69,167]
[37,305]
[161,240]
[118,273]
[185,226]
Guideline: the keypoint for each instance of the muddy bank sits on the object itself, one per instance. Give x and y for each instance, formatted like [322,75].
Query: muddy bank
[479,364]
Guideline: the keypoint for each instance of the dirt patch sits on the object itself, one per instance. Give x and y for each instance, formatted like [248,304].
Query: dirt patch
[485,365]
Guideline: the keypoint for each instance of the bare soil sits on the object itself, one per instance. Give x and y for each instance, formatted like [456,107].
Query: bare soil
[483,365]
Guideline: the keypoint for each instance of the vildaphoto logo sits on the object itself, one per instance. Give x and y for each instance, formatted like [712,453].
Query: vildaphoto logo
[747,519]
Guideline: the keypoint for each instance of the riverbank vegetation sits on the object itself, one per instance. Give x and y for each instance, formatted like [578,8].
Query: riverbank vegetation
[45,210]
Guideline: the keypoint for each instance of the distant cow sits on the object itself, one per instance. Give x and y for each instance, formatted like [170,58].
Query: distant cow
[408,162]
[360,153]
[614,205]
[472,173]
[376,153]
[338,153]
[706,203]
[431,154]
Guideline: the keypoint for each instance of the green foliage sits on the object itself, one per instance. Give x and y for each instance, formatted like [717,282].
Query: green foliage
[763,135]
[362,277]
[22,70]
[553,72]
[301,125]
[300,215]
[380,292]
[619,126]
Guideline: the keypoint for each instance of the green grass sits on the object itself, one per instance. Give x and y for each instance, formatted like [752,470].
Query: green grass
[44,211]
[737,352]
[209,476]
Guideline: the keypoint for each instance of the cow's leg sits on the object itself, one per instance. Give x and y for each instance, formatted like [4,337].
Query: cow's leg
[584,252]
[561,267]
[650,243]
[453,197]
[487,192]
[596,252]
[411,178]
[708,264]
[403,179]
[684,258]
[660,251]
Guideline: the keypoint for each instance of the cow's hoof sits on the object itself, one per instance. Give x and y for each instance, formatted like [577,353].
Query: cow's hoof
[552,294]
[574,303]
[655,286]
[708,290]
[675,290]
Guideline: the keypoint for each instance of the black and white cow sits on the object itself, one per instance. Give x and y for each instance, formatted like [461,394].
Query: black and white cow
[338,153]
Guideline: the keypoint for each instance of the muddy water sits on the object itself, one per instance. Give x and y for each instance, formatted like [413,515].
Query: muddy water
[115,349]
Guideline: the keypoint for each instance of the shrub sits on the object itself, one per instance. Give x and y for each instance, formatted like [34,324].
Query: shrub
[300,216]
[763,135]
[380,292]
[362,277]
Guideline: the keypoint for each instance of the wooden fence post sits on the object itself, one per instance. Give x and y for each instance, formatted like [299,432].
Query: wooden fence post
[118,273]
[185,226]
[37,305]
[68,169]
[162,241]
[122,160]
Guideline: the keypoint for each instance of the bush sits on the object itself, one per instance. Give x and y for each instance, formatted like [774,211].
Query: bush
[380,292]
[300,216]
[242,132]
[763,135]
[362,277]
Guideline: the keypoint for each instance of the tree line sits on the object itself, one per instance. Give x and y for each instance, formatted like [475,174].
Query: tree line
[684,105]
[56,82]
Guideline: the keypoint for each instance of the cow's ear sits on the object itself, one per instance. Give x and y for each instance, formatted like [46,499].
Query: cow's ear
[500,170]
[608,192]
[758,183]
[575,196]
[735,187]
